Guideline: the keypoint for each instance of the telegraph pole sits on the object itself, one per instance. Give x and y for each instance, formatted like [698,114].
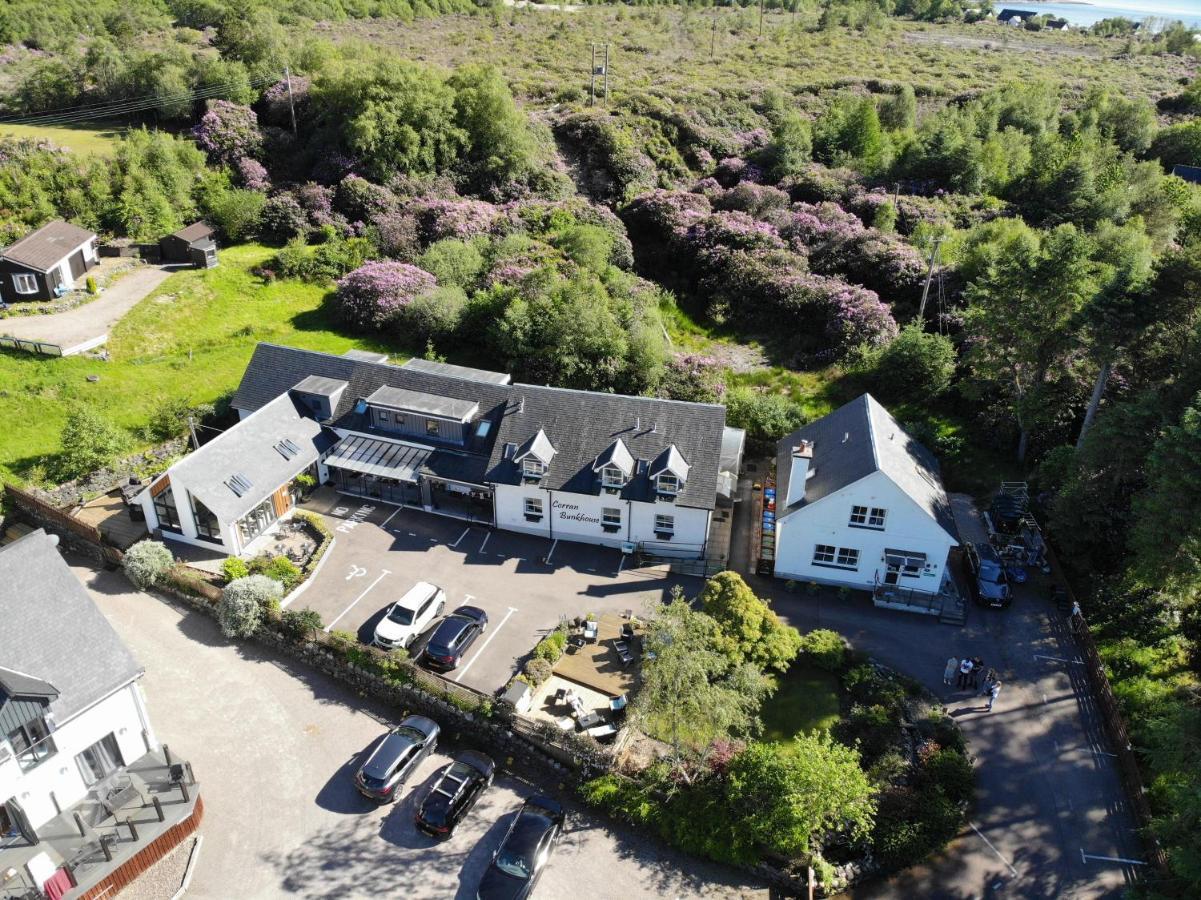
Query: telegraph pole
[713,39]
[761,18]
[603,70]
[592,79]
[291,102]
[921,310]
[606,74]
[192,428]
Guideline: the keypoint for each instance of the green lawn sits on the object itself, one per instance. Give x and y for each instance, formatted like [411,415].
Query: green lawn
[80,139]
[190,339]
[806,699]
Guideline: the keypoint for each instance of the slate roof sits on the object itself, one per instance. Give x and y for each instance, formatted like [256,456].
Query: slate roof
[421,402]
[322,387]
[616,454]
[538,446]
[1006,14]
[248,449]
[45,248]
[18,684]
[194,232]
[1188,173]
[580,424]
[366,356]
[53,632]
[441,368]
[670,460]
[855,441]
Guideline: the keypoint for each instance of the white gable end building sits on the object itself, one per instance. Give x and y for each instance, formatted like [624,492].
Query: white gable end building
[859,503]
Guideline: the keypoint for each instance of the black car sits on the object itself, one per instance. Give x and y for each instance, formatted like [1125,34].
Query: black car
[398,754]
[455,792]
[454,636]
[522,856]
[989,580]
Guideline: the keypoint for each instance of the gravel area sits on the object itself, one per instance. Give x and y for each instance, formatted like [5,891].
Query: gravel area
[163,880]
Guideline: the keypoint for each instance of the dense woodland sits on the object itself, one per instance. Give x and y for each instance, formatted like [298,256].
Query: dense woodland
[488,212]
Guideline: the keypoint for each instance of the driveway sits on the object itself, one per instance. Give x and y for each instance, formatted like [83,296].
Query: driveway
[87,326]
[273,745]
[526,584]
[1051,819]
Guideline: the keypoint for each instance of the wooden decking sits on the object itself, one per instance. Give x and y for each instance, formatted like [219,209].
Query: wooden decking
[598,666]
[110,514]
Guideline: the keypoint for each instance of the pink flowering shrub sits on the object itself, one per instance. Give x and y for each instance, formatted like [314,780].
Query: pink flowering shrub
[396,233]
[693,377]
[228,131]
[461,218]
[275,100]
[253,174]
[359,199]
[753,199]
[731,170]
[375,293]
[734,230]
[283,216]
[317,201]
[661,213]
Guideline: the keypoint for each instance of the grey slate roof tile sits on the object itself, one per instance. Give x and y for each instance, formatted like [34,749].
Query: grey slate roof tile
[53,632]
[48,246]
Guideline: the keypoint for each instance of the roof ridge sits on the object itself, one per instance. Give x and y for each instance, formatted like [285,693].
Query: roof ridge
[868,400]
[665,400]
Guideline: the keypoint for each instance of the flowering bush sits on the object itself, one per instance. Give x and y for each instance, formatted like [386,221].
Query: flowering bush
[461,218]
[661,213]
[396,234]
[317,201]
[734,169]
[243,603]
[376,292]
[359,199]
[693,377]
[228,131]
[752,199]
[275,99]
[733,230]
[253,174]
[283,216]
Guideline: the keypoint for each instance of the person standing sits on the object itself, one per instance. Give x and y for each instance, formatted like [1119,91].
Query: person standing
[992,694]
[990,678]
[977,666]
[965,672]
[948,674]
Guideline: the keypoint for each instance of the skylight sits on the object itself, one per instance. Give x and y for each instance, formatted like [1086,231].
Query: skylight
[239,484]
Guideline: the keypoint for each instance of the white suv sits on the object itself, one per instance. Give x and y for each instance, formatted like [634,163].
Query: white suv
[409,616]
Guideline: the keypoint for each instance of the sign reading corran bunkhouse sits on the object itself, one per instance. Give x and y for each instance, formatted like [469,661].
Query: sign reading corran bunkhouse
[571,512]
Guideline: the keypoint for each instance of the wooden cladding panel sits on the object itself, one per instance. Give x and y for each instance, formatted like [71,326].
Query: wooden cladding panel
[282,501]
[159,486]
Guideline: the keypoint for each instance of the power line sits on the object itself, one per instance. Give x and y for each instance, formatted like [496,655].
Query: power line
[124,107]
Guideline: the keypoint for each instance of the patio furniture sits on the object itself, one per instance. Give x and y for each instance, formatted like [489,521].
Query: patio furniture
[590,631]
[603,732]
[577,707]
[590,720]
[620,646]
[560,696]
[627,631]
[618,704]
[626,657]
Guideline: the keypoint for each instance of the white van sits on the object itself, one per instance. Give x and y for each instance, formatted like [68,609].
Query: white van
[409,616]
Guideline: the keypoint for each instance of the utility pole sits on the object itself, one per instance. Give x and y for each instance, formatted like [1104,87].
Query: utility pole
[603,70]
[713,39]
[921,310]
[192,428]
[760,18]
[606,73]
[291,102]
[592,79]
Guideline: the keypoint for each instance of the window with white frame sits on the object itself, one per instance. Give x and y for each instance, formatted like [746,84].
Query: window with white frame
[849,557]
[611,517]
[824,553]
[533,507]
[532,467]
[24,283]
[669,484]
[431,427]
[867,517]
[612,477]
[665,524]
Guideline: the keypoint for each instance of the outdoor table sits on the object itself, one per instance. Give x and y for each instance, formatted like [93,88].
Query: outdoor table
[590,720]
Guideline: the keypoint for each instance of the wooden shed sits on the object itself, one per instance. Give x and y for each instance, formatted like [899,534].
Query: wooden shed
[194,244]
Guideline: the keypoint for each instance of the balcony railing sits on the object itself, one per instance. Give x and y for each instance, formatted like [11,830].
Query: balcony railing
[36,754]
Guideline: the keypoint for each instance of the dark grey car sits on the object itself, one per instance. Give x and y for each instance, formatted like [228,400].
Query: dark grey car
[396,756]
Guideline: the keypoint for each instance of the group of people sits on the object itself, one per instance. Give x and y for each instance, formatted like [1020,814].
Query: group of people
[966,673]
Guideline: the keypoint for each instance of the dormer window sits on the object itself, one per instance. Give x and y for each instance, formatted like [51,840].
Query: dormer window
[669,484]
[669,471]
[612,477]
[533,468]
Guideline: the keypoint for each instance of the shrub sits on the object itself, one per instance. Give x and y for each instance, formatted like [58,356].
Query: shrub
[228,131]
[283,217]
[436,315]
[825,649]
[89,442]
[376,292]
[90,284]
[537,670]
[234,568]
[550,648]
[146,562]
[872,728]
[453,262]
[283,570]
[243,603]
[300,624]
[253,175]
[171,418]
[343,641]
[237,213]
[951,772]
[916,366]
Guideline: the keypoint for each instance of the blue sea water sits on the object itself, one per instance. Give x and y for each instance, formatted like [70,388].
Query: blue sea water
[1187,11]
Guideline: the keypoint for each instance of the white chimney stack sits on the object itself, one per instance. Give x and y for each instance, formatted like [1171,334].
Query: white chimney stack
[802,456]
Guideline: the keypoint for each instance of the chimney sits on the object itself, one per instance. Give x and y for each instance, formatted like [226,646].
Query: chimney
[802,456]
[638,423]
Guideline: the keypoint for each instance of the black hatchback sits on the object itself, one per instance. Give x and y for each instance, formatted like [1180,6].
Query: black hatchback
[454,636]
[454,793]
[522,856]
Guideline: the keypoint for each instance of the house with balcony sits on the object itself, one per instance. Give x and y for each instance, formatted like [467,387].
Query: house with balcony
[860,504]
[626,472]
[78,754]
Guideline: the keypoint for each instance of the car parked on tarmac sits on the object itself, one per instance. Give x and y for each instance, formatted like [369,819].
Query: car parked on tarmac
[454,793]
[524,851]
[409,616]
[454,636]
[399,752]
[989,580]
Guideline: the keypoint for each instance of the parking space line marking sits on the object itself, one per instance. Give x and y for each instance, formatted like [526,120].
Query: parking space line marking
[621,563]
[1008,864]
[484,646]
[485,544]
[384,524]
[329,551]
[554,544]
[466,531]
[1085,857]
[1053,658]
[412,534]
[330,626]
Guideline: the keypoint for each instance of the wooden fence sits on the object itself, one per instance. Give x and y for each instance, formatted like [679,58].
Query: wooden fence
[45,513]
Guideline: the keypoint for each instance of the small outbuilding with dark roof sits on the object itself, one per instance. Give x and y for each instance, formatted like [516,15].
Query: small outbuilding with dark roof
[194,244]
[46,263]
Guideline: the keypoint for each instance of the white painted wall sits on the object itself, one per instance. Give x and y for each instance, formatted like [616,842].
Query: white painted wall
[577,517]
[907,527]
[122,713]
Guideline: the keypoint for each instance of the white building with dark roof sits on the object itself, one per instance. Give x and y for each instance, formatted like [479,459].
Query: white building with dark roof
[859,503]
[46,263]
[627,472]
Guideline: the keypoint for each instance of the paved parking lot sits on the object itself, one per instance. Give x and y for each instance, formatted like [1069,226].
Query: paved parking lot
[274,744]
[380,551]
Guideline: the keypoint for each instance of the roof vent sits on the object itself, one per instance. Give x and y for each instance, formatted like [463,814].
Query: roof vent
[521,403]
[638,423]
[846,436]
[655,428]
[239,484]
[287,448]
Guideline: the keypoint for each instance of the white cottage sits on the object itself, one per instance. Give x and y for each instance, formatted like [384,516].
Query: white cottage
[860,503]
